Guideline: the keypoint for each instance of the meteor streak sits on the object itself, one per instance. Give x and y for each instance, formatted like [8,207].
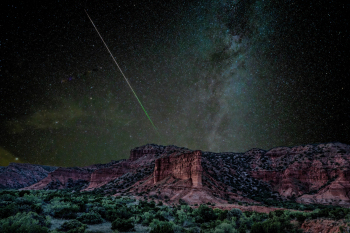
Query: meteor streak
[122,72]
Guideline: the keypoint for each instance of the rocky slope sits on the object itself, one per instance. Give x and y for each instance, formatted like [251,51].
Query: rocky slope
[19,175]
[308,174]
[324,226]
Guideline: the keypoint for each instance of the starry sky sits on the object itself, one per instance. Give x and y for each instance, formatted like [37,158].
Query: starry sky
[223,75]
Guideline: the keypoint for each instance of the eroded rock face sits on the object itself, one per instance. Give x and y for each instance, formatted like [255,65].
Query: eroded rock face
[19,175]
[309,174]
[185,166]
[102,176]
[62,178]
[323,226]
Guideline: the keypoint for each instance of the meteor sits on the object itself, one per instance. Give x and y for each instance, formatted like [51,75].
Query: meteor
[122,72]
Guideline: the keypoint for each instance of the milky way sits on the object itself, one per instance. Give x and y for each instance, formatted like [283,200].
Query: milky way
[213,75]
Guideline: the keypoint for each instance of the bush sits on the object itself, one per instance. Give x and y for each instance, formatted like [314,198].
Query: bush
[8,210]
[164,227]
[7,197]
[72,226]
[24,223]
[204,214]
[257,228]
[237,213]
[147,218]
[301,218]
[122,225]
[90,218]
[221,214]
[61,209]
[113,214]
[275,225]
[23,192]
[66,213]
[225,228]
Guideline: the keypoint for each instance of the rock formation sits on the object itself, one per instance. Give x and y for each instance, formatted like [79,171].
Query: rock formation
[308,174]
[19,175]
[186,166]
[323,226]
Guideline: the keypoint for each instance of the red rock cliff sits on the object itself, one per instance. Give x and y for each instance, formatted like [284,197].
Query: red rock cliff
[184,166]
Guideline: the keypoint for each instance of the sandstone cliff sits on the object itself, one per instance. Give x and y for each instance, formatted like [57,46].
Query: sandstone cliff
[323,226]
[308,174]
[311,173]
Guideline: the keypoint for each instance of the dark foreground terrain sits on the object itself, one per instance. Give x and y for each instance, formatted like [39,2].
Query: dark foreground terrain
[284,189]
[69,211]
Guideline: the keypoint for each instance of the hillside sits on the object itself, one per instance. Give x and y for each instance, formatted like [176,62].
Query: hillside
[309,174]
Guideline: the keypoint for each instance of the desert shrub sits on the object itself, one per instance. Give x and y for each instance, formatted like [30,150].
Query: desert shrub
[7,197]
[256,216]
[245,222]
[301,217]
[221,214]
[52,195]
[182,217]
[147,206]
[225,228]
[61,209]
[72,226]
[10,192]
[237,213]
[204,214]
[25,223]
[23,192]
[242,229]
[29,199]
[122,224]
[275,225]
[81,203]
[160,215]
[257,228]
[90,218]
[113,214]
[96,207]
[162,227]
[338,213]
[277,213]
[37,208]
[124,213]
[29,203]
[8,210]
[210,225]
[147,218]
[66,213]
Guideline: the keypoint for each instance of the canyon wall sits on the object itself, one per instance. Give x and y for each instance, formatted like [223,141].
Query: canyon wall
[62,178]
[311,174]
[184,167]
[20,175]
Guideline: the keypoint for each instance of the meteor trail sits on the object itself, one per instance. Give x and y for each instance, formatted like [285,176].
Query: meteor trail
[122,73]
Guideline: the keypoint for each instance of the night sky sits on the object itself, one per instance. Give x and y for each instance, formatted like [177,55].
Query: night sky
[212,75]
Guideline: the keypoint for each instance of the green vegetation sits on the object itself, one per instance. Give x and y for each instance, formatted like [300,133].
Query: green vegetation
[123,224]
[33,211]
[73,226]
[90,218]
